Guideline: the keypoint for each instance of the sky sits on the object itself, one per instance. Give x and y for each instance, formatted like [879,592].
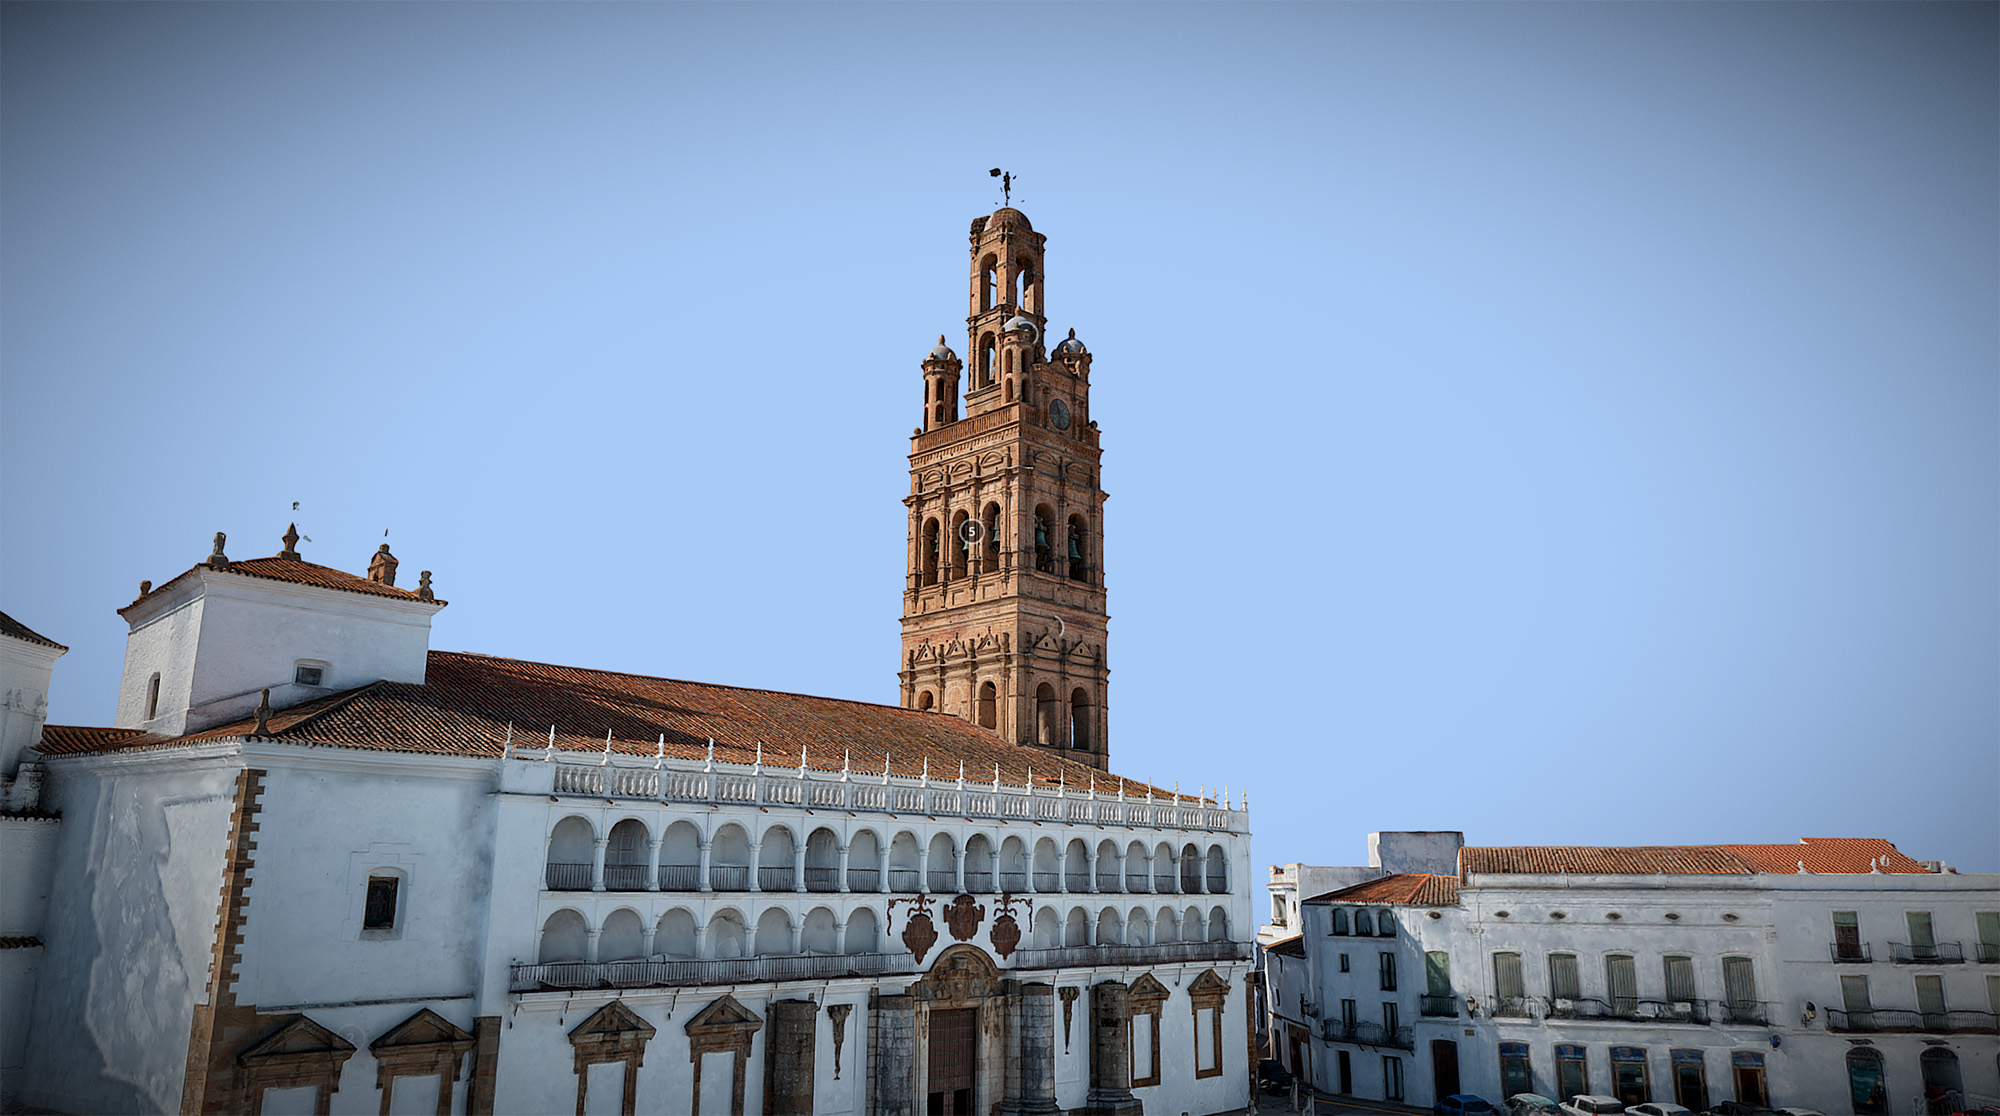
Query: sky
[1564,423]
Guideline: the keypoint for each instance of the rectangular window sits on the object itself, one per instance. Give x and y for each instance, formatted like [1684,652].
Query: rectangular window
[1392,1078]
[1572,1070]
[1854,998]
[1923,945]
[1930,1002]
[1348,1014]
[1564,982]
[1437,973]
[1339,920]
[1680,979]
[1621,981]
[1205,1063]
[306,675]
[1739,981]
[1343,962]
[1392,1019]
[379,913]
[1507,977]
[1989,935]
[1993,994]
[1517,1075]
[1846,936]
[1629,1082]
[1388,968]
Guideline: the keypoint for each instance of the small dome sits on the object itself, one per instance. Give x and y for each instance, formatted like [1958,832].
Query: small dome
[1020,322]
[943,351]
[1070,345]
[1009,218]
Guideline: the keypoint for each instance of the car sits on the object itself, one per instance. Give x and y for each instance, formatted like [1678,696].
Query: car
[1531,1104]
[1737,1108]
[1592,1104]
[1276,1078]
[1660,1108]
[1461,1104]
[1799,1112]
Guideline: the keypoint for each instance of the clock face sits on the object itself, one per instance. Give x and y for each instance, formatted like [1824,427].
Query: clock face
[1059,414]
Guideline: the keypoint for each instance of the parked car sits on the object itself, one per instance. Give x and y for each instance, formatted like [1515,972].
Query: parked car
[1274,1075]
[1660,1108]
[1531,1104]
[1462,1104]
[1737,1108]
[1592,1104]
[1799,1112]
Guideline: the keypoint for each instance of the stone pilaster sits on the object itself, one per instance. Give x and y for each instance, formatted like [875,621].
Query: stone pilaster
[1036,1053]
[1111,1053]
[892,1063]
[789,1039]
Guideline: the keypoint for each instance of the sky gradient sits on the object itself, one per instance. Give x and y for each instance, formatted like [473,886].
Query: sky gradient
[1566,423]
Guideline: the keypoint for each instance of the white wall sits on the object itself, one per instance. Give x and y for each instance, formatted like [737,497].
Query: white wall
[25,672]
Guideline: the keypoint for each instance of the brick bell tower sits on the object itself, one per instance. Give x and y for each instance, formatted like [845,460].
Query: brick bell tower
[1003,609]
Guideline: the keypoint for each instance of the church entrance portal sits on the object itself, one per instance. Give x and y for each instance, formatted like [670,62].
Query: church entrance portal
[953,1059]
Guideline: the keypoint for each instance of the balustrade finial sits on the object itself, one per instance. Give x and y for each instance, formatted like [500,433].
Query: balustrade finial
[802,761]
[710,765]
[660,758]
[549,753]
[607,749]
[507,749]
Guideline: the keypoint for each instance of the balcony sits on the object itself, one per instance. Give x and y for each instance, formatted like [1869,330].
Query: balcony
[1850,952]
[903,881]
[1442,1006]
[1927,953]
[680,877]
[1750,1012]
[1136,884]
[1078,883]
[1159,953]
[1045,882]
[943,881]
[864,879]
[1517,1007]
[1989,953]
[774,879]
[979,883]
[1013,881]
[729,877]
[568,877]
[625,877]
[1880,1020]
[1217,885]
[822,879]
[1107,882]
[1368,1034]
[570,975]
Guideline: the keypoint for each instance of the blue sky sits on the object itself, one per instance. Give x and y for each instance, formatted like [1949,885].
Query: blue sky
[1567,423]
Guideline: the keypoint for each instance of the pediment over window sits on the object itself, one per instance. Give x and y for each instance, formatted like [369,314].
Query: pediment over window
[1208,990]
[425,1028]
[1147,992]
[298,1040]
[612,1021]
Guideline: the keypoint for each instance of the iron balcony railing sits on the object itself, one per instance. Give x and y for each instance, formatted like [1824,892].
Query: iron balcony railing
[1925,1022]
[1013,881]
[568,877]
[1934,953]
[625,877]
[822,879]
[1437,1004]
[774,879]
[1516,1007]
[1159,953]
[979,883]
[680,877]
[943,880]
[1047,881]
[1989,952]
[864,879]
[1217,885]
[729,877]
[1851,952]
[560,975]
[1077,882]
[1107,881]
[1368,1034]
[1753,1012]
[903,880]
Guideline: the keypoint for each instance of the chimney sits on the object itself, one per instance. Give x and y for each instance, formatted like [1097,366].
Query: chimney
[382,568]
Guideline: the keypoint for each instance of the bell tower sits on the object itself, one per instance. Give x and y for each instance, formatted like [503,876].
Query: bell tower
[1003,607]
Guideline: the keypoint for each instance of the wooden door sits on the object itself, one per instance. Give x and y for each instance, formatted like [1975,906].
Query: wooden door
[954,1056]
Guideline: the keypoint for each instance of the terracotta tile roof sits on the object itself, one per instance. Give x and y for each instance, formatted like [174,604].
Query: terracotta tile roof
[1654,860]
[298,573]
[1408,889]
[13,627]
[467,702]
[20,942]
[1833,855]
[1294,946]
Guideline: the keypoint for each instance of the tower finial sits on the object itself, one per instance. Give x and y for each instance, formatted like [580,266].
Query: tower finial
[217,559]
[1006,184]
[291,537]
[263,716]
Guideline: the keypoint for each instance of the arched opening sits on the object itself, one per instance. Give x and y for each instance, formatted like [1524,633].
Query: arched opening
[1048,866]
[1107,867]
[989,705]
[1190,860]
[1013,865]
[864,862]
[1079,541]
[1866,1085]
[725,935]
[903,863]
[1218,871]
[978,864]
[1340,923]
[1164,878]
[729,860]
[623,937]
[991,536]
[680,858]
[1045,550]
[862,932]
[983,378]
[675,936]
[1047,727]
[821,933]
[1079,719]
[564,938]
[822,861]
[1110,930]
[774,933]
[1163,926]
[925,700]
[988,280]
[1076,867]
[1048,929]
[1192,929]
[777,860]
[927,553]
[1138,927]
[153,696]
[1137,881]
[1010,389]
[1076,930]
[628,857]
[937,414]
[943,864]
[961,547]
[572,850]
[1031,285]
[1944,1088]
[1218,925]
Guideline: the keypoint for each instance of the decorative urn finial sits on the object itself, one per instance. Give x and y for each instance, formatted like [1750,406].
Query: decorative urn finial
[291,537]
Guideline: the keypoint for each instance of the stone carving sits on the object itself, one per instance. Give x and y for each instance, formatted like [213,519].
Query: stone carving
[836,1014]
[1068,994]
[920,935]
[1006,933]
[963,917]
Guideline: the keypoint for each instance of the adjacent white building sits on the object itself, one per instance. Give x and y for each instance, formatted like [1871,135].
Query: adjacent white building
[1836,974]
[318,867]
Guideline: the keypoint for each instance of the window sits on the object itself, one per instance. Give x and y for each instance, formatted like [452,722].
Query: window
[153,696]
[1923,944]
[1864,1081]
[1930,1002]
[379,912]
[1384,925]
[989,703]
[1343,962]
[1517,1074]
[1349,1014]
[1854,998]
[1564,983]
[1680,979]
[1739,989]
[1572,1070]
[1388,969]
[1629,1082]
[1392,1078]
[1392,1019]
[1147,997]
[1340,922]
[1438,998]
[1621,980]
[1846,936]
[1507,984]
[1364,924]
[1989,935]
[1079,720]
[1746,1068]
[307,673]
[1993,994]
[1690,1070]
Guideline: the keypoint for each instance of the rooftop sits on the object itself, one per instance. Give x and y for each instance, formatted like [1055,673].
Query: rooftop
[20,631]
[1410,889]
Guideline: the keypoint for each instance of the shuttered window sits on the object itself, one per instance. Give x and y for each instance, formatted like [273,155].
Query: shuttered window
[1846,935]
[1680,979]
[1385,926]
[1388,968]
[1854,994]
[1930,1000]
[1564,983]
[1993,994]
[1739,980]
[1922,943]
[1507,976]
[1989,935]
[1437,974]
[1621,979]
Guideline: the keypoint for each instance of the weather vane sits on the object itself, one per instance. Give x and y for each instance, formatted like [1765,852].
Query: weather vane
[1006,185]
